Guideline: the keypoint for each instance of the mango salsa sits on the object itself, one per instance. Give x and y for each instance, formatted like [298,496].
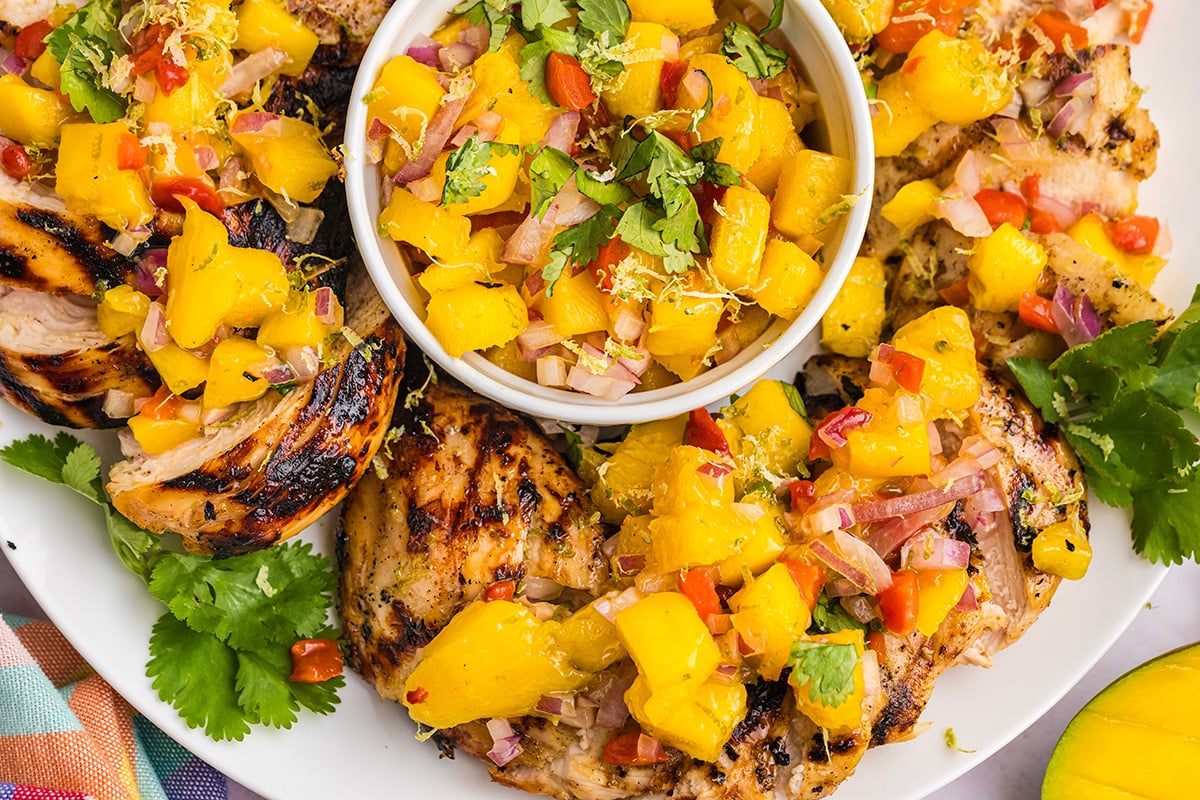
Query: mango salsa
[268,23]
[667,641]
[942,338]
[636,91]
[956,80]
[696,719]
[854,321]
[812,186]
[31,116]
[89,179]
[1003,267]
[289,158]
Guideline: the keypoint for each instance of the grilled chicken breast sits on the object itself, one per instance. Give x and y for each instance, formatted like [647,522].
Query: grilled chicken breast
[1041,483]
[57,365]
[268,474]
[465,494]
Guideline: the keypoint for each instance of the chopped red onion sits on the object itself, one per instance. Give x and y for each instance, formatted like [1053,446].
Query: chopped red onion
[1013,109]
[1071,117]
[610,694]
[455,57]
[669,45]
[206,158]
[840,587]
[275,373]
[627,566]
[478,36]
[1016,142]
[378,130]
[966,174]
[860,607]
[583,380]
[551,370]
[573,206]
[693,89]
[464,133]
[1063,213]
[325,305]
[303,362]
[145,88]
[426,189]
[436,135]
[1081,85]
[118,404]
[13,64]
[969,601]
[963,214]
[549,704]
[154,331]
[146,275]
[303,228]
[253,68]
[538,589]
[539,335]
[424,49]
[561,133]
[609,605]
[1076,318]
[857,562]
[529,241]
[252,121]
[505,747]
[628,325]
[980,449]
[215,416]
[930,551]
[489,124]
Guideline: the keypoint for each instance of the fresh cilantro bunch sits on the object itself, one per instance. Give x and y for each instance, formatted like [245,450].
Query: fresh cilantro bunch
[85,46]
[220,654]
[1119,401]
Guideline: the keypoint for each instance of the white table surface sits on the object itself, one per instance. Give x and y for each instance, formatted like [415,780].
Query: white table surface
[1172,620]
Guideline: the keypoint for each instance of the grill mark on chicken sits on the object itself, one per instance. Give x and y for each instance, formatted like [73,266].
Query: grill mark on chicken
[52,251]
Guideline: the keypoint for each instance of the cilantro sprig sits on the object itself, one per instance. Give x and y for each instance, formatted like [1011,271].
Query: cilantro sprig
[467,166]
[220,654]
[1119,400]
[827,668]
[85,46]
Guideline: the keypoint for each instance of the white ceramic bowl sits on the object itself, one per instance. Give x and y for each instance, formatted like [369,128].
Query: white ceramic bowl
[825,61]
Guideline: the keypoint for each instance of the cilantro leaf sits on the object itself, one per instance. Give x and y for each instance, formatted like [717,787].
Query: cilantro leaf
[775,19]
[134,546]
[705,154]
[549,171]
[574,453]
[638,228]
[496,13]
[1164,522]
[275,596]
[579,244]
[81,472]
[196,674]
[794,399]
[85,46]
[750,54]
[1178,378]
[533,57]
[606,193]
[604,16]
[1041,387]
[830,617]
[828,669]
[542,12]
[466,168]
[40,456]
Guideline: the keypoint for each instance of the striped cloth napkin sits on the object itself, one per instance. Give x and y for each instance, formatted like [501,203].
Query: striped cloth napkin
[66,735]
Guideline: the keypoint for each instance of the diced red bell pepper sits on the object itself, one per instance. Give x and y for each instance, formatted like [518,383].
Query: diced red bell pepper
[703,432]
[567,83]
[634,749]
[500,590]
[698,586]
[315,661]
[1035,312]
[898,603]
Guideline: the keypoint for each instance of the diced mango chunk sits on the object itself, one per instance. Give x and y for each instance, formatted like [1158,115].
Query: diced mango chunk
[405,97]
[912,205]
[681,16]
[235,372]
[440,232]
[854,321]
[736,123]
[1003,267]
[956,80]
[739,237]
[810,195]
[475,317]
[32,116]
[575,306]
[899,120]
[788,279]
[696,719]
[942,338]
[88,178]
[268,23]
[860,19]
[288,157]
[667,640]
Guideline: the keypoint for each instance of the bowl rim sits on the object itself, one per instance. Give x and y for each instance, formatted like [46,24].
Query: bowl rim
[563,405]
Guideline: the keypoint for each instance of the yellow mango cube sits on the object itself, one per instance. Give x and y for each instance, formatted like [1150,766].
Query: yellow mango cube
[499,87]
[297,325]
[288,157]
[913,205]
[697,719]
[681,16]
[780,433]
[590,640]
[893,444]
[405,97]
[787,280]
[682,324]
[757,551]
[212,283]
[667,640]
[31,116]
[494,659]
[779,140]
[624,484]
[939,592]
[122,311]
[1003,267]
[834,713]
[811,189]
[192,106]
[157,436]
[1091,231]
[943,339]
[442,277]
[769,614]
[234,372]
[956,80]
[574,306]
[900,120]
[503,165]
[686,480]
[1063,549]
[475,317]
[268,23]
[860,19]
[636,91]
[508,357]
[736,123]
[852,325]
[46,69]
[440,232]
[89,180]
[739,237]
[179,369]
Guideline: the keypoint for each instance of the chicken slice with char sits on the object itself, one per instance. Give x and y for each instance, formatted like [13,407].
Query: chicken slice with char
[267,474]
